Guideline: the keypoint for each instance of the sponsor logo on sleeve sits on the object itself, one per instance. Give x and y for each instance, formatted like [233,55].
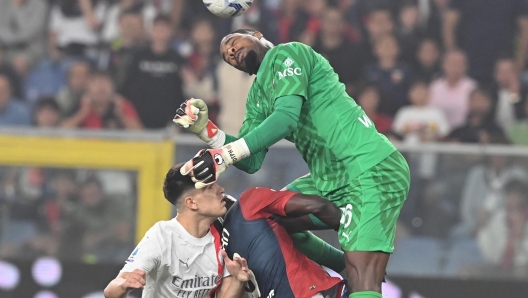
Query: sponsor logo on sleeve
[133,255]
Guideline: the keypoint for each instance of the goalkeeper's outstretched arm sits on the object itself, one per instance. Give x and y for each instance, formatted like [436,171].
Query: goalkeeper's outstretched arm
[281,123]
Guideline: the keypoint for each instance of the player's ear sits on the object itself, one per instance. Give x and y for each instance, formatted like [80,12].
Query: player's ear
[190,203]
[258,35]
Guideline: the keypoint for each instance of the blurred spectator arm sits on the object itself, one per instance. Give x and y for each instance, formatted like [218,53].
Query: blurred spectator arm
[451,19]
[492,238]
[127,114]
[28,23]
[398,125]
[176,13]
[78,118]
[53,50]
[88,13]
[523,42]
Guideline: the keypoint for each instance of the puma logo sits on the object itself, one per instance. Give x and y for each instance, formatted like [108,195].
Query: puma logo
[185,263]
[346,235]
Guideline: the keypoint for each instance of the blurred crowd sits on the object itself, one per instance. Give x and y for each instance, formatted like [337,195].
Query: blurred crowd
[423,71]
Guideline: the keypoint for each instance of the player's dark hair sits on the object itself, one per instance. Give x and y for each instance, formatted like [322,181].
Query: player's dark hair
[176,184]
[162,18]
[244,31]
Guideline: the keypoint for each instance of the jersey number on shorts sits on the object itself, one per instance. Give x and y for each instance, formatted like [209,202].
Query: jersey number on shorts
[346,215]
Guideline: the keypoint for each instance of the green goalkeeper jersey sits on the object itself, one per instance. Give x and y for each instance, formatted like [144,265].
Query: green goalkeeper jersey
[335,137]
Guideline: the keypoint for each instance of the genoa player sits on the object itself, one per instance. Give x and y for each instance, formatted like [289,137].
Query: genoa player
[297,96]
[280,270]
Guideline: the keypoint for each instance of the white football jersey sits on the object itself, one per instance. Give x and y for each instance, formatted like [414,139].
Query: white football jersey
[177,264]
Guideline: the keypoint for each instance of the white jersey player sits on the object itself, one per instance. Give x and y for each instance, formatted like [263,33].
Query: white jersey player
[182,257]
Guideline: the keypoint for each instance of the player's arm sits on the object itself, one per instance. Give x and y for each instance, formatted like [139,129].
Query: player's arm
[124,283]
[145,258]
[236,274]
[255,141]
[300,205]
[263,202]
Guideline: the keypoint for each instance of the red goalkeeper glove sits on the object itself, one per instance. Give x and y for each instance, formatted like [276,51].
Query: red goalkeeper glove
[193,114]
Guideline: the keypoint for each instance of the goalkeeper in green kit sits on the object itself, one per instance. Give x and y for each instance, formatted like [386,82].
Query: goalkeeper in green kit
[297,96]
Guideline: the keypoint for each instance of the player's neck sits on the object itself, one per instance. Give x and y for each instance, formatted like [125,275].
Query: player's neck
[196,225]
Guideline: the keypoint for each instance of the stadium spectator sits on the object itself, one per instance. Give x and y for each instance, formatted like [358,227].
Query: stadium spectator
[427,63]
[153,82]
[101,107]
[22,26]
[310,18]
[479,125]
[503,240]
[486,32]
[131,38]
[43,80]
[7,70]
[333,44]
[102,222]
[287,17]
[47,113]
[199,77]
[431,18]
[483,191]
[379,23]
[69,97]
[518,133]
[368,97]
[420,122]
[392,76]
[12,111]
[409,32]
[113,23]
[509,96]
[451,92]
[74,25]
[60,201]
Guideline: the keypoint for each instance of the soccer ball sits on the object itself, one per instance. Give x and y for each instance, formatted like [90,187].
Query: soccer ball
[227,8]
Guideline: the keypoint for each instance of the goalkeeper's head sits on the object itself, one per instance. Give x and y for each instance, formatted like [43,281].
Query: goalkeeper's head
[245,49]
[179,190]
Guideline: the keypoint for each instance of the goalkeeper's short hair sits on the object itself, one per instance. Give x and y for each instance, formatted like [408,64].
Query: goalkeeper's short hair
[244,31]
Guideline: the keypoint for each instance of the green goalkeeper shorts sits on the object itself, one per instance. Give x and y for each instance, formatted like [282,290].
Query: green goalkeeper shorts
[370,204]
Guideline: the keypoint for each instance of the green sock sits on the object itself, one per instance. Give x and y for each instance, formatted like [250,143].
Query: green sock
[317,250]
[366,294]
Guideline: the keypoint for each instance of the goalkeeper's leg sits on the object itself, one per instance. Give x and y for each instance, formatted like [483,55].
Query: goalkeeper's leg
[371,205]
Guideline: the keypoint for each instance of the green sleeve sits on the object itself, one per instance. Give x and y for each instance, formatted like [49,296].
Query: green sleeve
[278,125]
